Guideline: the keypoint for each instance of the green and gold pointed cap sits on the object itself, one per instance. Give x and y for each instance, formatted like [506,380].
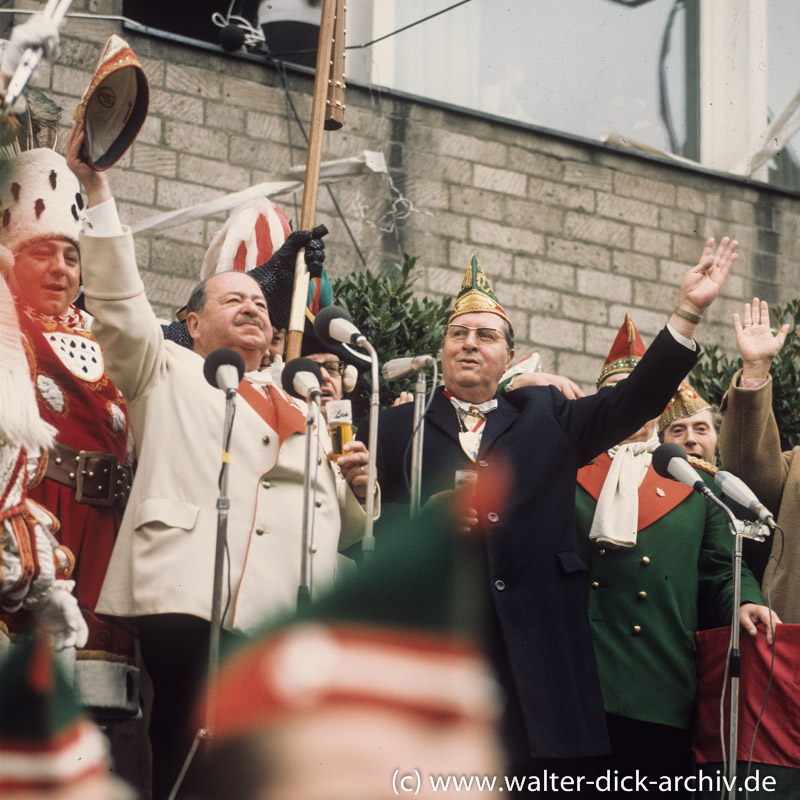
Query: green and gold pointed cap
[476,294]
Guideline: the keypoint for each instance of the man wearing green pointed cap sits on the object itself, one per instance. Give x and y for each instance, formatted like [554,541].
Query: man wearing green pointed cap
[533,440]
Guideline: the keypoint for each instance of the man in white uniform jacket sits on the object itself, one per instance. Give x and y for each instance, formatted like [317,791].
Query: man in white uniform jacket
[161,570]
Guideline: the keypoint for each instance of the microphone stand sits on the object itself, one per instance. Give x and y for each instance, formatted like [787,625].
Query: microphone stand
[304,590]
[739,529]
[368,542]
[416,445]
[223,505]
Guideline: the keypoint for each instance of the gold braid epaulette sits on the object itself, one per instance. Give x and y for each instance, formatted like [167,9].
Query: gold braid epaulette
[712,469]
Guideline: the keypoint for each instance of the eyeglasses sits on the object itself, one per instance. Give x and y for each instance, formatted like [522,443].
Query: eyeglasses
[459,333]
[333,367]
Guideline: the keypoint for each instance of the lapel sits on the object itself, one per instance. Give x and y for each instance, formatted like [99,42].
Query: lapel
[657,495]
[497,423]
[443,415]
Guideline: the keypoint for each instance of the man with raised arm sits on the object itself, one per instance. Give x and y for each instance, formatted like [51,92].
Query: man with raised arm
[161,570]
[533,440]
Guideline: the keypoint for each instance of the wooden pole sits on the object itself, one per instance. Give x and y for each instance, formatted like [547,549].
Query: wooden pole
[311,187]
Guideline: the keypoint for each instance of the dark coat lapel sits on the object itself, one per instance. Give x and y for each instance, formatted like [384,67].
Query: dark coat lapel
[443,415]
[497,423]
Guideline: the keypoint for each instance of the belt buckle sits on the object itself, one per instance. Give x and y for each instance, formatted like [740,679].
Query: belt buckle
[110,461]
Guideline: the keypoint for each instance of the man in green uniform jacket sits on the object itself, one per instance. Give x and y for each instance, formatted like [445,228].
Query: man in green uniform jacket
[660,568]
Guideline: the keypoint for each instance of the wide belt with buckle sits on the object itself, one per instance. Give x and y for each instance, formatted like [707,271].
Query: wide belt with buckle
[98,479]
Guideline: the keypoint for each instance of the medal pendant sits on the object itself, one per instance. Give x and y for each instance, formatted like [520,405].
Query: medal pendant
[470,444]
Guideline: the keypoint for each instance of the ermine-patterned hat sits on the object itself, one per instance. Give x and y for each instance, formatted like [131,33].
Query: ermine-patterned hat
[39,199]
[625,353]
[476,294]
[686,402]
[114,105]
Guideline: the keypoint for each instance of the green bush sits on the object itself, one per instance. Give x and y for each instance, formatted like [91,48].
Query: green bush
[712,375]
[395,321]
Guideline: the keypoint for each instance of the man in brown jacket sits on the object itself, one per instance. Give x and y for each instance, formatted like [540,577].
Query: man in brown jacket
[750,448]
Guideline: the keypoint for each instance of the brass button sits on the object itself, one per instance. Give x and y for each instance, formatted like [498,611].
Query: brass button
[645,560]
[601,551]
[595,585]
[492,517]
[265,439]
[90,474]
[266,484]
[259,531]
[637,629]
[642,595]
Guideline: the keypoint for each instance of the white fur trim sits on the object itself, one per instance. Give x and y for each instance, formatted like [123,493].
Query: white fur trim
[37,193]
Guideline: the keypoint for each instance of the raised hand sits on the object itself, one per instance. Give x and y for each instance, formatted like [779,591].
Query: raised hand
[757,344]
[702,283]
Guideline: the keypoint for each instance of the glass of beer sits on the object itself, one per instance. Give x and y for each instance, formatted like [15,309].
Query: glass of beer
[340,424]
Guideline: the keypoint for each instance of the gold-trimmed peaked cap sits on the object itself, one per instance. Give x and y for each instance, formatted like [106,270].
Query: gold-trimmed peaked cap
[625,353]
[476,294]
[686,402]
[114,105]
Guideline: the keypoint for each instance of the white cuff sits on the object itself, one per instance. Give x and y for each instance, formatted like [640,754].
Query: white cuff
[690,343]
[102,220]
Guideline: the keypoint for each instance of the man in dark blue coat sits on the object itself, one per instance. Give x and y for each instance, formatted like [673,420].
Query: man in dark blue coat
[540,637]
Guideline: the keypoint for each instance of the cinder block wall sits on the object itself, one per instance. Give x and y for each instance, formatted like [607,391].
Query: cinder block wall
[572,233]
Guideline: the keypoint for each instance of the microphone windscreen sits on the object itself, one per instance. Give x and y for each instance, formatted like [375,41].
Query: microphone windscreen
[222,357]
[231,38]
[663,454]
[322,323]
[292,368]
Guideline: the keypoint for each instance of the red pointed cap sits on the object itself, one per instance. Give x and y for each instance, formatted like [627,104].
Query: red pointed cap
[625,353]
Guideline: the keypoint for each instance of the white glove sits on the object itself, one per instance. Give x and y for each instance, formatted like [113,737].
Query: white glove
[38,31]
[58,613]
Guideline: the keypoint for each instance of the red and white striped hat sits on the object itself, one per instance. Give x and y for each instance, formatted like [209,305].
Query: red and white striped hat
[252,233]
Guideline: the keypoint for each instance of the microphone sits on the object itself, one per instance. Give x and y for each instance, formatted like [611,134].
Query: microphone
[333,325]
[231,38]
[224,369]
[403,367]
[739,491]
[302,377]
[669,461]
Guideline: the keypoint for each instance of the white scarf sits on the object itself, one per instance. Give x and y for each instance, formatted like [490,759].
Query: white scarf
[616,516]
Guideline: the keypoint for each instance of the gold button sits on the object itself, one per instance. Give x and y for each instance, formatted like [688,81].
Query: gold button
[595,585]
[90,474]
[265,439]
[72,476]
[645,560]
[642,595]
[637,629]
[601,551]
[58,461]
[260,530]
[266,484]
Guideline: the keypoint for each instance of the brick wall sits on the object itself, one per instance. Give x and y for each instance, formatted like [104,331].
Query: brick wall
[572,233]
